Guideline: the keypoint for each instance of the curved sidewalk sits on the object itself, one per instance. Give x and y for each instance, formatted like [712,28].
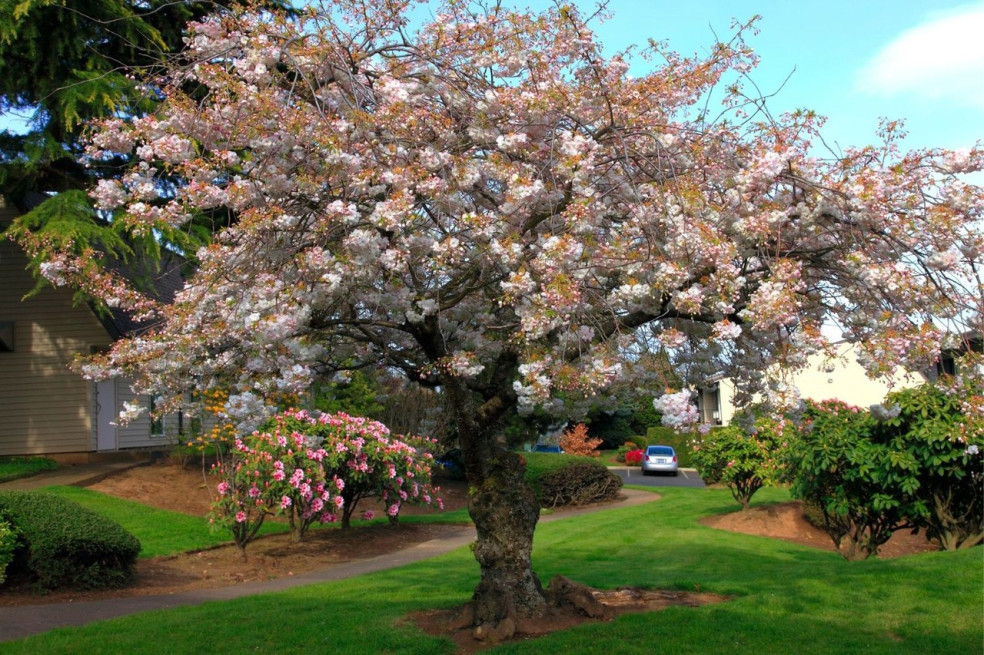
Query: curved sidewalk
[23,621]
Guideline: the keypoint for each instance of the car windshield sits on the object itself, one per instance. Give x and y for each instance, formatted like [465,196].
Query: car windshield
[659,450]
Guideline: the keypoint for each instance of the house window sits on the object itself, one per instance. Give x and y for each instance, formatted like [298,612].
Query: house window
[6,336]
[156,422]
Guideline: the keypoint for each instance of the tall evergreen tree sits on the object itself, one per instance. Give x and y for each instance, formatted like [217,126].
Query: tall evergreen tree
[61,65]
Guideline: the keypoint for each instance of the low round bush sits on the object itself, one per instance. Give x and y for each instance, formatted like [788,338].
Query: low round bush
[63,544]
[578,484]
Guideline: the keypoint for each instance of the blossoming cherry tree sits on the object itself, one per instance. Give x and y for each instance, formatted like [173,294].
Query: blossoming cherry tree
[491,206]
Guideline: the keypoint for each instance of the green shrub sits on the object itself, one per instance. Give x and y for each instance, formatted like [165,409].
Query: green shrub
[539,465]
[744,459]
[8,544]
[627,447]
[580,483]
[66,545]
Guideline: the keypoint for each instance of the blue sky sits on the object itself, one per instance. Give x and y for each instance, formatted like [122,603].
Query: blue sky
[850,60]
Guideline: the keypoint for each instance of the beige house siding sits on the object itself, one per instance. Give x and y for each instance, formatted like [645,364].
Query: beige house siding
[45,407]
[137,433]
[43,404]
[841,378]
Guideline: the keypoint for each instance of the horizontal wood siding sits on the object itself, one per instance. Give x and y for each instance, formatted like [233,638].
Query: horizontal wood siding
[137,434]
[44,406]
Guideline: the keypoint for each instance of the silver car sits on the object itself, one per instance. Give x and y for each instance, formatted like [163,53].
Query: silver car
[659,459]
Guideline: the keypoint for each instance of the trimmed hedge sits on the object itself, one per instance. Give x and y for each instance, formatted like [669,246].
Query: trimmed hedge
[14,468]
[63,544]
[555,478]
[8,544]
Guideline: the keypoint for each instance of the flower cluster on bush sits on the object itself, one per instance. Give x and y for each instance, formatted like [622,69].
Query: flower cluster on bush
[312,467]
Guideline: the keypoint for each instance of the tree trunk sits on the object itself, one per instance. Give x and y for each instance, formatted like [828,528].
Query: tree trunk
[505,511]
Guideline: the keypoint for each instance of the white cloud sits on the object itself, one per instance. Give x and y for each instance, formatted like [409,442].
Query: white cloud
[941,60]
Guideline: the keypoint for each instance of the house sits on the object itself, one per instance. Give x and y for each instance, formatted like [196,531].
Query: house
[823,378]
[45,407]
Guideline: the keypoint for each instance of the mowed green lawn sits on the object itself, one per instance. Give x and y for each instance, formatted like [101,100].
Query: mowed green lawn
[786,598]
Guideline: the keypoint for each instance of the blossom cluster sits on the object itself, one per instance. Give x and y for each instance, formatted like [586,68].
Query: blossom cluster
[315,468]
[503,231]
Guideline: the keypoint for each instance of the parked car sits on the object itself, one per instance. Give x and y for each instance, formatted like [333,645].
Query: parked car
[659,459]
[546,448]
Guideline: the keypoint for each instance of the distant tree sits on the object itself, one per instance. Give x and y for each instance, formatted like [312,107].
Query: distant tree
[354,393]
[575,441]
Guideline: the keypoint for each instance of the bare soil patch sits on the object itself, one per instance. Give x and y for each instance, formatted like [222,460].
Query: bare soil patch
[786,521]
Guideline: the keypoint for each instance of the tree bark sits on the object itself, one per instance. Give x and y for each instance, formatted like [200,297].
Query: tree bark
[505,511]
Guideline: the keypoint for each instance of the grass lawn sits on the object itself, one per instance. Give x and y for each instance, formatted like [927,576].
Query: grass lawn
[14,468]
[786,598]
[161,532]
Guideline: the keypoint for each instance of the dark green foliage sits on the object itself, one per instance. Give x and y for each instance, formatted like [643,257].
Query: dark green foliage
[8,545]
[63,64]
[65,545]
[13,468]
[578,484]
[949,449]
[358,396]
[644,416]
[613,428]
[552,469]
[863,485]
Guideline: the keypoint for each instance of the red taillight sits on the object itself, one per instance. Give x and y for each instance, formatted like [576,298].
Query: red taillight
[674,458]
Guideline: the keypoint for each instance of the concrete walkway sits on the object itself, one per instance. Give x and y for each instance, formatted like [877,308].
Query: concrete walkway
[23,621]
[78,475]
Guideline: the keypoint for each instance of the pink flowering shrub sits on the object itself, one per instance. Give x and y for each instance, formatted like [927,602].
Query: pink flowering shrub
[315,468]
[634,457]
[744,459]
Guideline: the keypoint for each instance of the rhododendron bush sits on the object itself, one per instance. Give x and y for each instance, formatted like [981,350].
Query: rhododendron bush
[746,455]
[491,206]
[315,468]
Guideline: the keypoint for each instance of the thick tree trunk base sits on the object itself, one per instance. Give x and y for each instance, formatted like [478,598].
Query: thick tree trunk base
[568,604]
[505,511]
